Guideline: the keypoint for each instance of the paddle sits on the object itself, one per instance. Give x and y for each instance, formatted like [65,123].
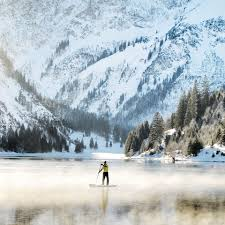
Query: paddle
[98,174]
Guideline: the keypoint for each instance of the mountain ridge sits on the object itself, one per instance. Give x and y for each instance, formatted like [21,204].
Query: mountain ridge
[123,59]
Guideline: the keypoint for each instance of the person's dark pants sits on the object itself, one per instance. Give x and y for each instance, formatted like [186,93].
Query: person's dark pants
[105,175]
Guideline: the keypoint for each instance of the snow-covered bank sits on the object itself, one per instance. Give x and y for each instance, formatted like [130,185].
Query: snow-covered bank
[208,154]
[161,157]
[211,154]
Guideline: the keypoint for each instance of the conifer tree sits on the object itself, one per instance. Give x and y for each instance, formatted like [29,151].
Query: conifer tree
[205,96]
[135,145]
[4,143]
[218,135]
[223,137]
[116,133]
[140,132]
[34,139]
[12,140]
[188,115]
[156,129]
[195,102]
[146,129]
[91,145]
[82,143]
[96,145]
[128,143]
[181,111]
[173,120]
[78,147]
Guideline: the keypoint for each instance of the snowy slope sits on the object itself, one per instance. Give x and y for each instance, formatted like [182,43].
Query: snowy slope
[12,112]
[211,154]
[103,152]
[127,58]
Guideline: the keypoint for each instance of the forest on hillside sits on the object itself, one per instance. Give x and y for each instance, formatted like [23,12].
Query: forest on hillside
[49,134]
[35,139]
[76,119]
[198,120]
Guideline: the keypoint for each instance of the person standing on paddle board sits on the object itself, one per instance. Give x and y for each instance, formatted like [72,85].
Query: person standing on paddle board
[105,169]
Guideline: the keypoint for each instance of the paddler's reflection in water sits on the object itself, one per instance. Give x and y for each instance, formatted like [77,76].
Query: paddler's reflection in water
[105,197]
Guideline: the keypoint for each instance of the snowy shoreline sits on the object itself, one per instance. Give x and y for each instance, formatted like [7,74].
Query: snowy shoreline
[62,155]
[208,154]
[103,152]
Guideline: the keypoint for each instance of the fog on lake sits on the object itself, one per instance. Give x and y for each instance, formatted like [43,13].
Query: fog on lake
[57,192]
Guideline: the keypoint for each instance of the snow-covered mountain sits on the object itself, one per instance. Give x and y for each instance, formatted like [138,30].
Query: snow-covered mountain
[13,111]
[126,58]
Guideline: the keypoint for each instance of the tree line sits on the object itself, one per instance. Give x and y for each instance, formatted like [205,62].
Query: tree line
[34,140]
[152,133]
[198,121]
[75,119]
[192,105]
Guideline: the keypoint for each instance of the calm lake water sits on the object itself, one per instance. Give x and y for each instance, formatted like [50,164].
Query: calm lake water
[56,192]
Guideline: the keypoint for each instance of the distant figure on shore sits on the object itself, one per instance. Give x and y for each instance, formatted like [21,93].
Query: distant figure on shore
[173,159]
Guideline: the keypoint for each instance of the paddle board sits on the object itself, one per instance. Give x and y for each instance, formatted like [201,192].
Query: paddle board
[100,185]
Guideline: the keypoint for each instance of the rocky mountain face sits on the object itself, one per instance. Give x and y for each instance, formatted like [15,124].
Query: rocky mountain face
[18,103]
[125,59]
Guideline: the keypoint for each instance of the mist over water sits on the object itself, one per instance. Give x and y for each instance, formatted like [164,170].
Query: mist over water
[57,192]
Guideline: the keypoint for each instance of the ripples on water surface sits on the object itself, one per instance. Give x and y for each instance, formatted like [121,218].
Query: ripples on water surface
[34,192]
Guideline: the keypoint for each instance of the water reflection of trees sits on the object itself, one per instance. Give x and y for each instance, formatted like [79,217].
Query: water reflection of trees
[204,211]
[25,216]
[155,210]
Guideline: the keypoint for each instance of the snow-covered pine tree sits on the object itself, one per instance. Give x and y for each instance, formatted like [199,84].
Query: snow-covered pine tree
[156,129]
